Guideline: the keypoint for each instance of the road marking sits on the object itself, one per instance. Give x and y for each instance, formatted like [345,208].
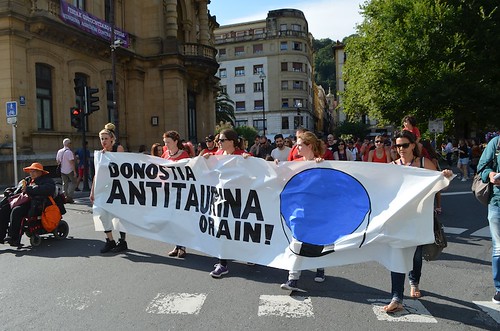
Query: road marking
[455,193]
[484,232]
[285,306]
[176,303]
[452,230]
[414,312]
[77,302]
[490,308]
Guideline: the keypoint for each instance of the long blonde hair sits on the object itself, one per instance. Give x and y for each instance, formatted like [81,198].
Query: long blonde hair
[317,145]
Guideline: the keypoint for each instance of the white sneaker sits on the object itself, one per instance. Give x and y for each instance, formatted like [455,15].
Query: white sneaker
[464,179]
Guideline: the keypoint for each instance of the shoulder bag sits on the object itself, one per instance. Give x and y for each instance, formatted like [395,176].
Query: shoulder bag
[51,216]
[482,191]
[18,199]
[430,252]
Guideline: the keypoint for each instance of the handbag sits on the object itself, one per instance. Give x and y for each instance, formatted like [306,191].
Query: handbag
[483,191]
[51,216]
[430,252]
[58,170]
[18,199]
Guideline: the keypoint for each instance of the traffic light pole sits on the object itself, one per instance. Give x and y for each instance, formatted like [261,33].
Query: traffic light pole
[83,115]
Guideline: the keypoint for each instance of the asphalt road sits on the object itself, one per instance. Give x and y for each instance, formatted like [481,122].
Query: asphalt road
[67,285]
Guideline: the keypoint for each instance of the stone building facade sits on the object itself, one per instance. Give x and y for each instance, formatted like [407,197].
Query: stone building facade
[164,70]
[280,46]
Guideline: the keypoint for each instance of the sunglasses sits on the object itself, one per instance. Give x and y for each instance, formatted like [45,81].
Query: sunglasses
[222,140]
[405,145]
[378,141]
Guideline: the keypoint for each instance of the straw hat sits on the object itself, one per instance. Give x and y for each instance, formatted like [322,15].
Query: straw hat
[36,166]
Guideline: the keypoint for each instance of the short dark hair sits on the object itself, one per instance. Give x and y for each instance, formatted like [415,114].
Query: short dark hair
[279,135]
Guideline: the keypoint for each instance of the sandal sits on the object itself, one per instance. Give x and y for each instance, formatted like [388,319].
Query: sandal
[415,292]
[182,253]
[393,307]
[174,252]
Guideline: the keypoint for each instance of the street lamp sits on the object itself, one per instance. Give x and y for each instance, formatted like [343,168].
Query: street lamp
[262,76]
[299,104]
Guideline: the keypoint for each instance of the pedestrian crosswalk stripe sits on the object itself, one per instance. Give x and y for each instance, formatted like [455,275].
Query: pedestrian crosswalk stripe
[285,306]
[484,232]
[77,302]
[451,230]
[490,308]
[176,303]
[414,311]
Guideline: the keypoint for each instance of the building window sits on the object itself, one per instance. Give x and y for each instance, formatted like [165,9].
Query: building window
[298,103]
[79,4]
[79,101]
[239,71]
[258,32]
[107,10]
[239,50]
[223,89]
[222,73]
[257,87]
[257,49]
[297,46]
[43,96]
[284,103]
[284,46]
[239,88]
[297,66]
[284,123]
[298,121]
[240,105]
[258,104]
[296,27]
[284,66]
[257,69]
[298,85]
[282,27]
[222,52]
[258,124]
[239,123]
[284,85]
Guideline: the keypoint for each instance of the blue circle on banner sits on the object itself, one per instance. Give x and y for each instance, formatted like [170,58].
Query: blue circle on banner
[321,205]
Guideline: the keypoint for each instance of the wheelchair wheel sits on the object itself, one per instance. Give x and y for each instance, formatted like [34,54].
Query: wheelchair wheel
[62,230]
[35,240]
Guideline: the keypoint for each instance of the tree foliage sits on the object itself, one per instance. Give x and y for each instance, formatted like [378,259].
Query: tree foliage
[324,64]
[429,58]
[224,108]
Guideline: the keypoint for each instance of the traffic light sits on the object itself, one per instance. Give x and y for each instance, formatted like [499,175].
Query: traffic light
[92,99]
[76,117]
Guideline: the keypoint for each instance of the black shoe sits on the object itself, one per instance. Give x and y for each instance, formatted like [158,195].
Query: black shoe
[77,189]
[120,247]
[496,298]
[110,244]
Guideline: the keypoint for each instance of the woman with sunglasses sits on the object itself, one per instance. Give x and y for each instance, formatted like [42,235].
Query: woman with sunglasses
[342,153]
[409,155]
[229,144]
[381,153]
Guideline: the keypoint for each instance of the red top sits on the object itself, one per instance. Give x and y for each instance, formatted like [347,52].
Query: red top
[383,159]
[294,154]
[237,151]
[176,157]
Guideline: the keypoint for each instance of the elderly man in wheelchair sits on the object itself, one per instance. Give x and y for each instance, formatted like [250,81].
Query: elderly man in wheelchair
[22,206]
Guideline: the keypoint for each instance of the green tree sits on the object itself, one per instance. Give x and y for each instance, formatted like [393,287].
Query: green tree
[224,108]
[356,129]
[324,63]
[429,58]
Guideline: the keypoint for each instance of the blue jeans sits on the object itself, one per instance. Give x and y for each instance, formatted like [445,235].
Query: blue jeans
[398,279]
[494,220]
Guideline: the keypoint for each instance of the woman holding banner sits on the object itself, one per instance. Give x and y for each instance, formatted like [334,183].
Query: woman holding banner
[409,155]
[175,151]
[229,144]
[109,144]
[310,148]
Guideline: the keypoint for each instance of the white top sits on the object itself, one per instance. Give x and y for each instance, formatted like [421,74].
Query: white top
[281,154]
[66,158]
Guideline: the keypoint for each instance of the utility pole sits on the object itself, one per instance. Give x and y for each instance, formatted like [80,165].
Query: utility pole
[113,47]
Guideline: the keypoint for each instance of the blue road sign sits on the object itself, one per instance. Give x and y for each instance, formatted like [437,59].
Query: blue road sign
[11,108]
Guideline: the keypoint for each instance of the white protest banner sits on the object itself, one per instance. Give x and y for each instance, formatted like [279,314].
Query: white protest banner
[295,215]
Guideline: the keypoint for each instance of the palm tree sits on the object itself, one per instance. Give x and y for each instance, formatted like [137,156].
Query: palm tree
[224,108]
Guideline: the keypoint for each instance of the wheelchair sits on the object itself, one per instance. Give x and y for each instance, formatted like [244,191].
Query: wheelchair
[33,229]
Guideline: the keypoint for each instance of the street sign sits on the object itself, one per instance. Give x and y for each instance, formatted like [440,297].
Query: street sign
[11,108]
[436,126]
[11,120]
[22,100]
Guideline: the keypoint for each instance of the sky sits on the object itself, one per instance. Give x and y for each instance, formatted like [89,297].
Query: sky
[334,19]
